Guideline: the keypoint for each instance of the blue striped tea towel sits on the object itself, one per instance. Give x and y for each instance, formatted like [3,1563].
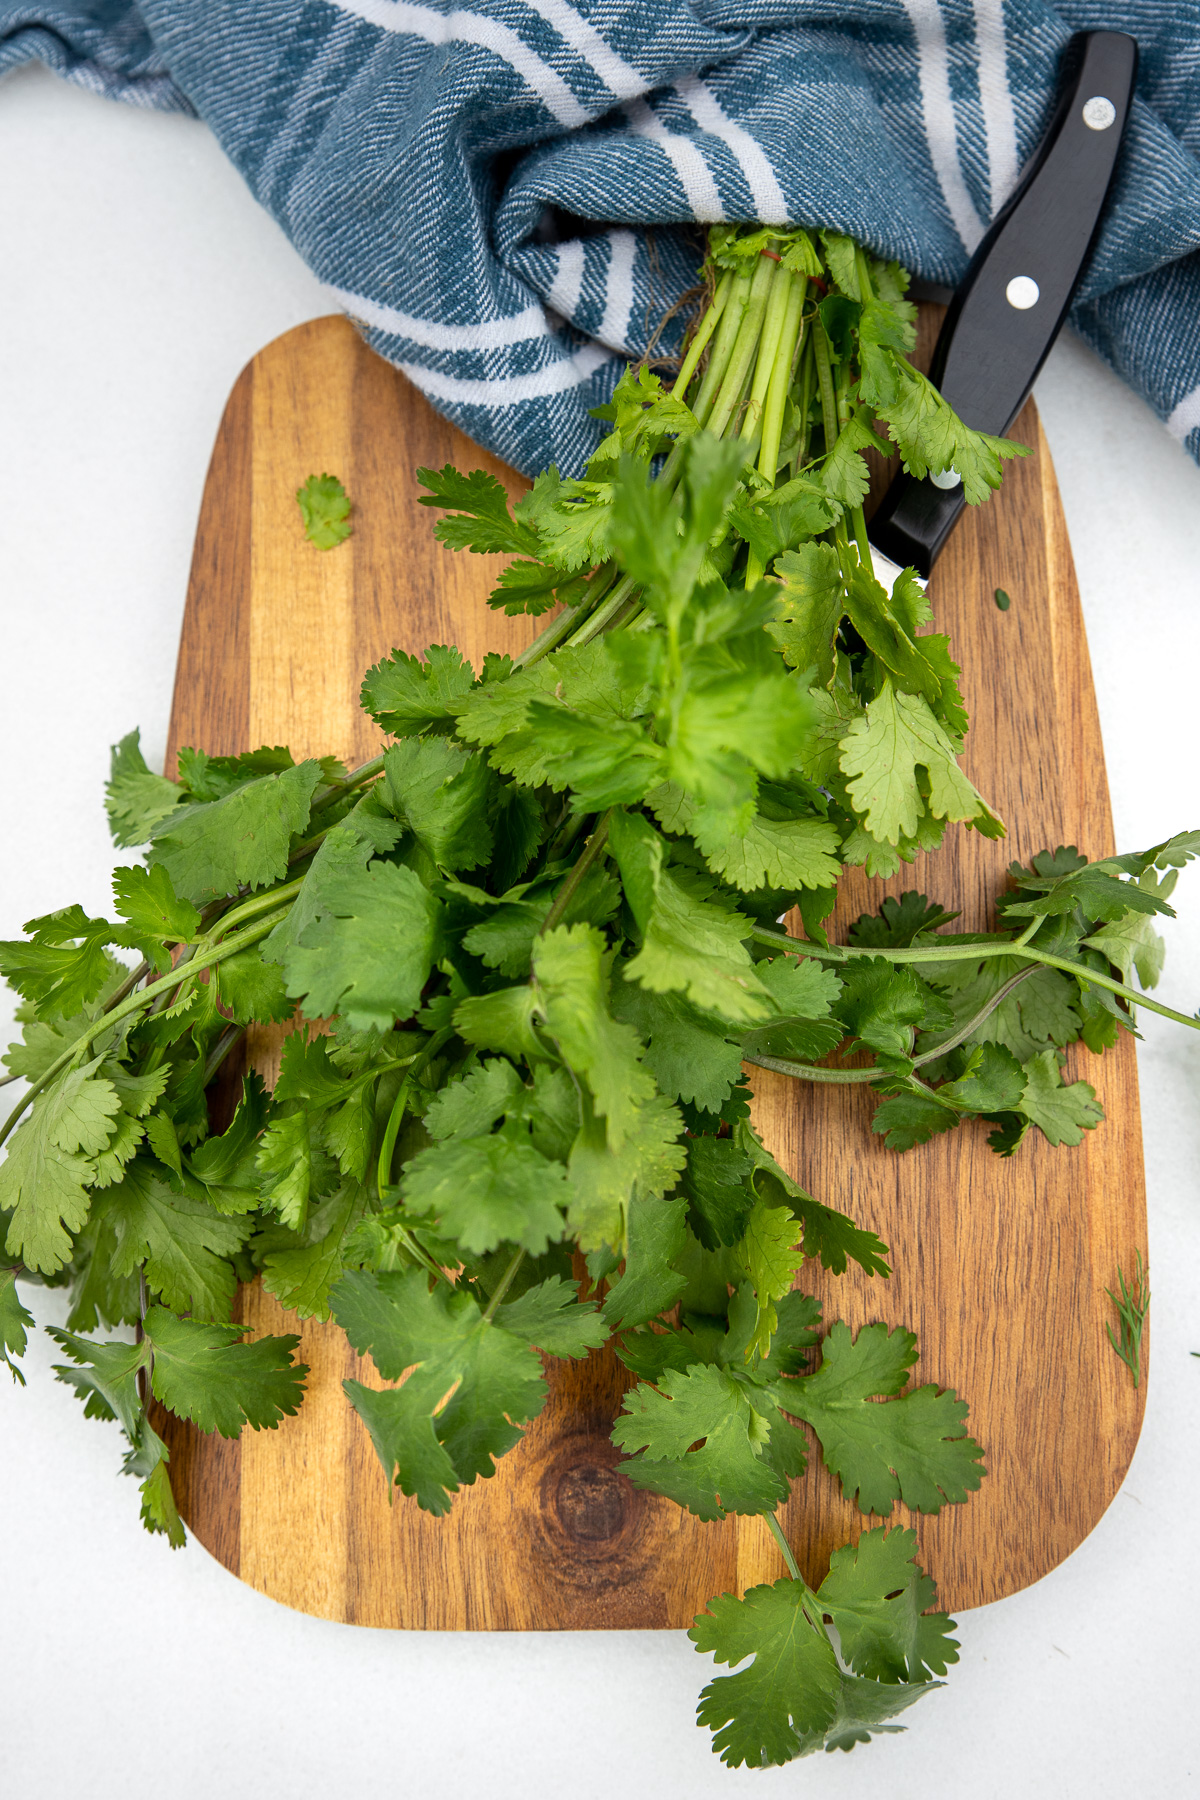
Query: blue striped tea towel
[505,193]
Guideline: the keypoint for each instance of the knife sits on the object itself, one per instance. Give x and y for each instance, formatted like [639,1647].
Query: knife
[1014,298]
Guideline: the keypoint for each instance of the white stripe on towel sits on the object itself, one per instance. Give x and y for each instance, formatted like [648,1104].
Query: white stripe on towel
[409,20]
[933,67]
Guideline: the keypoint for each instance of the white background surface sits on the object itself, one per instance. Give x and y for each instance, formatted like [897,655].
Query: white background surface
[136,278]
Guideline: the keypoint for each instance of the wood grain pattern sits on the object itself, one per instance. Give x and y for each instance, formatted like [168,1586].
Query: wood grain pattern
[1000,1266]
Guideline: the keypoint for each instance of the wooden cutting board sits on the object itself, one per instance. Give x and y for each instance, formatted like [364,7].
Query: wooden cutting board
[1000,1266]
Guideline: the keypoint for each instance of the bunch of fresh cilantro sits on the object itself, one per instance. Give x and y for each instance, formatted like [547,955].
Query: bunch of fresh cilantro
[536,940]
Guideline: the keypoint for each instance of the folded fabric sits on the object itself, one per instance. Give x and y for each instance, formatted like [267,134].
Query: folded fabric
[505,193]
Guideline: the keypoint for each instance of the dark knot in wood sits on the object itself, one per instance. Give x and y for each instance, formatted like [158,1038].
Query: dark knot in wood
[591,1502]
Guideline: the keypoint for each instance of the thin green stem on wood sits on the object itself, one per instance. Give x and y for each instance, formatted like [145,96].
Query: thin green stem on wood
[846,1077]
[835,953]
[785,1549]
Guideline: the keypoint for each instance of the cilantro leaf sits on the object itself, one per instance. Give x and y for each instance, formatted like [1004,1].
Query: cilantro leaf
[780,853]
[159,1511]
[718,1186]
[367,948]
[688,944]
[878,1600]
[649,1284]
[486,1191]
[930,436]
[794,1699]
[155,914]
[183,1243]
[1062,1112]
[48,1169]
[691,1056]
[551,1318]
[291,1165]
[136,800]
[882,1004]
[912,1449]
[772,1254]
[439,791]
[845,474]
[828,1235]
[405,695]
[325,511]
[809,608]
[301,1269]
[782,1704]
[472,1384]
[898,923]
[605,1176]
[205,1373]
[16,1321]
[569,972]
[882,753]
[242,840]
[481,520]
[706,1407]
[473,1104]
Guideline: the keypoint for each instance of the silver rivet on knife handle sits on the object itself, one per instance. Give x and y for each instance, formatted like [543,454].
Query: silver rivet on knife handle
[1098,113]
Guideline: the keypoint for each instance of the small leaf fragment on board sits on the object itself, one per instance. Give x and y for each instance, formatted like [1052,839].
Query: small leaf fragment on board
[1132,1304]
[325,509]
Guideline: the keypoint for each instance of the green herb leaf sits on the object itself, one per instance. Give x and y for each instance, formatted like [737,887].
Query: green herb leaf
[325,510]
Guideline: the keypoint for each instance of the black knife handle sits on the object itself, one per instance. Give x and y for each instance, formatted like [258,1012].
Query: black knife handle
[1015,295]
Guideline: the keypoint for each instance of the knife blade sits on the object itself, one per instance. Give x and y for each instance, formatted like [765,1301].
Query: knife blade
[1014,298]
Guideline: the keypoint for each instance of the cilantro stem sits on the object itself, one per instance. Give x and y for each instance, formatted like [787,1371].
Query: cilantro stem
[727,335]
[561,627]
[1131,996]
[134,1004]
[506,1281]
[804,403]
[387,1150]
[336,790]
[836,953]
[859,519]
[781,375]
[774,319]
[259,903]
[785,1550]
[231,1036]
[383,1175]
[704,331]
[128,985]
[781,1065]
[591,850]
[745,348]
[814,1072]
[605,613]
[829,417]
[782,353]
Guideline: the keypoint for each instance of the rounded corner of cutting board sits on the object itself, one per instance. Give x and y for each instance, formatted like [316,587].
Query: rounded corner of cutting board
[1000,1266]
